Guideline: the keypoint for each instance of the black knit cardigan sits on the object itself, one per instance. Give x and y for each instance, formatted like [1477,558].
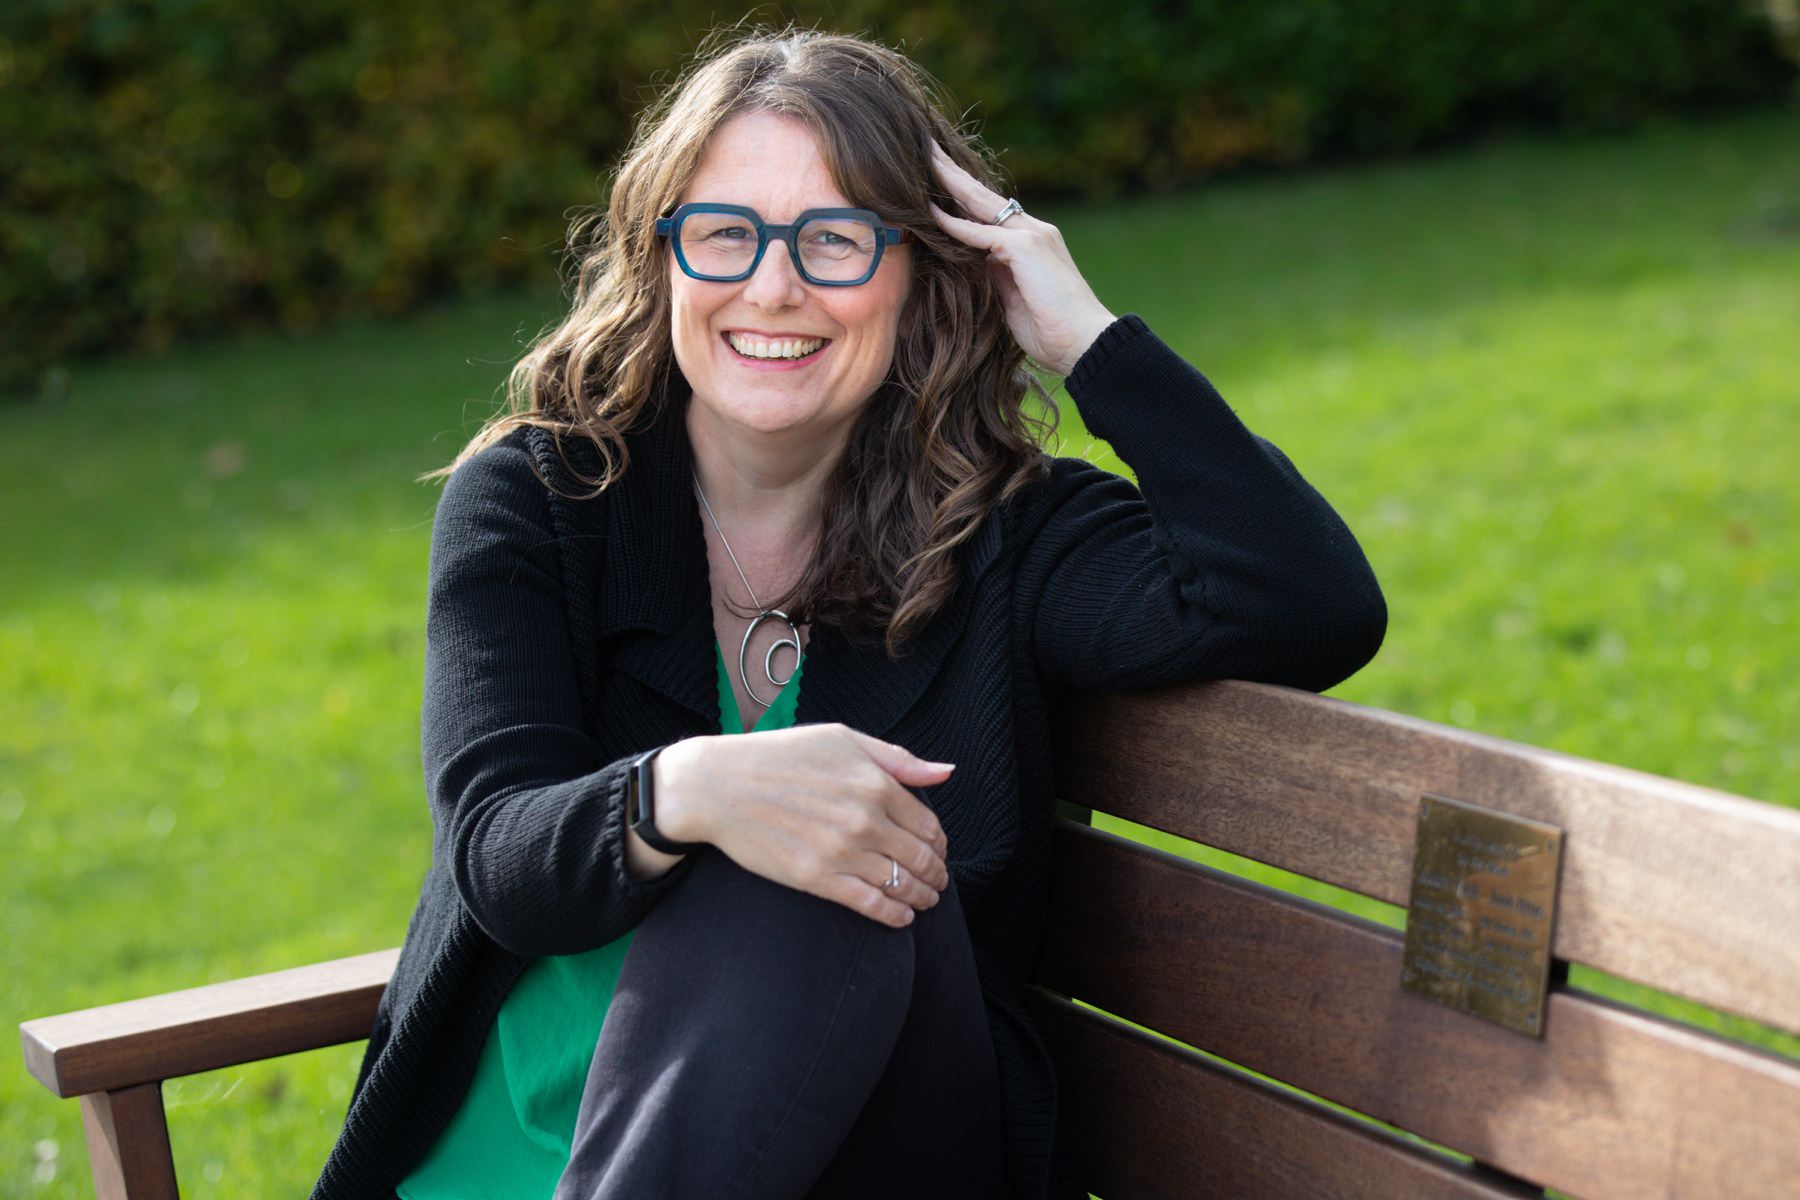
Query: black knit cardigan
[563,637]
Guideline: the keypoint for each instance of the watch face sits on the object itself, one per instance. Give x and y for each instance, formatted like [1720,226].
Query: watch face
[637,787]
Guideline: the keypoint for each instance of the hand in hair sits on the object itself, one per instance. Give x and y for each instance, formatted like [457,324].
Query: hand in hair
[1049,306]
[819,808]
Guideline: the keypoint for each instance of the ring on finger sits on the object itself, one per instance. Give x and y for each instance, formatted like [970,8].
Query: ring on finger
[1011,208]
[893,879]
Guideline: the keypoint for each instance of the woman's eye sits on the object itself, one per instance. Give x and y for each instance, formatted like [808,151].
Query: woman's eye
[827,239]
[728,233]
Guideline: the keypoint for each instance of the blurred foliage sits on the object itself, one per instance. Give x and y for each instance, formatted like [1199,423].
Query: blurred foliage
[175,167]
[1784,15]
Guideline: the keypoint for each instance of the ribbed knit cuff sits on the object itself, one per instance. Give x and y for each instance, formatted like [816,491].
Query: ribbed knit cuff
[1111,340]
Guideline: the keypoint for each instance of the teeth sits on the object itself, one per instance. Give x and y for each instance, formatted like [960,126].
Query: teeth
[776,348]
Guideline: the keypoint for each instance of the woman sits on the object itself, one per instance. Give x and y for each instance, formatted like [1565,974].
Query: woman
[775,472]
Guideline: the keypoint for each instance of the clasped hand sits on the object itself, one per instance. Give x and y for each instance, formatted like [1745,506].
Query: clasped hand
[820,808]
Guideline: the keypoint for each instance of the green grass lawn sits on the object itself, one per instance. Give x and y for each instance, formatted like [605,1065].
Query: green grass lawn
[1545,382]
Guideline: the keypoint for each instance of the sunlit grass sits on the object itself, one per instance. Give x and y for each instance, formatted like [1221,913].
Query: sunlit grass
[1548,384]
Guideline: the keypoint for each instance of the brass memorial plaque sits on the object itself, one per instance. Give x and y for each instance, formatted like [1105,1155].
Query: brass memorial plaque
[1478,924]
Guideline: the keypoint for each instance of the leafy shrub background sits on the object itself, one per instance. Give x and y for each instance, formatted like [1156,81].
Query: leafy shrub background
[181,167]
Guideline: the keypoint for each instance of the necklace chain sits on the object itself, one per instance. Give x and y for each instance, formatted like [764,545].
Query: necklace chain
[701,492]
[762,614]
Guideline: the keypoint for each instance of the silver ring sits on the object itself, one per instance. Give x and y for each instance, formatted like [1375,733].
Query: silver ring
[1011,208]
[893,874]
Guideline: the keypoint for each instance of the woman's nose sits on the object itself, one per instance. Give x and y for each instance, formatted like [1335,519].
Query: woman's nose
[775,283]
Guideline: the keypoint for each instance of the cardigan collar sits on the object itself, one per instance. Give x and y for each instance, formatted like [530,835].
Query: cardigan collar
[652,616]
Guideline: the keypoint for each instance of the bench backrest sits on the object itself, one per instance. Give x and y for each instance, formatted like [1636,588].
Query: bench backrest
[1683,889]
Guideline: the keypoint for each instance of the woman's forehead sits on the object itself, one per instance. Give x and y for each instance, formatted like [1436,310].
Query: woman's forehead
[767,162]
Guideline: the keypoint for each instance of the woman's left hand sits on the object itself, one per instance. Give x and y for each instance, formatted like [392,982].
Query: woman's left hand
[1052,311]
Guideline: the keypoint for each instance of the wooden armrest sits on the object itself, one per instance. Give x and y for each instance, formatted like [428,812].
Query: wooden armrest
[201,1029]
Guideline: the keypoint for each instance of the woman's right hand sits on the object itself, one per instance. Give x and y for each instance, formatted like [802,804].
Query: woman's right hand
[820,808]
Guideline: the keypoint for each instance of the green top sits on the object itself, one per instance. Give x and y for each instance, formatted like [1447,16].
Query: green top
[511,1137]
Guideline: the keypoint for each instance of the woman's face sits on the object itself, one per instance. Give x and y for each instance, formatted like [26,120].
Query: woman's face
[772,164]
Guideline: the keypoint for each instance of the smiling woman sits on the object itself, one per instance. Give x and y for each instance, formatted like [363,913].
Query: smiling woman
[694,926]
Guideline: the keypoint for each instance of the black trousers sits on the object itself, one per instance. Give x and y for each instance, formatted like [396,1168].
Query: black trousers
[763,1042]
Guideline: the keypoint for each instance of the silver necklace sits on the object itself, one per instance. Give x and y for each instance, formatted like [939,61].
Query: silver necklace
[762,614]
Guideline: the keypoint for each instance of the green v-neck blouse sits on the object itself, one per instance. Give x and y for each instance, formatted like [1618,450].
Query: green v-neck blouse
[511,1137]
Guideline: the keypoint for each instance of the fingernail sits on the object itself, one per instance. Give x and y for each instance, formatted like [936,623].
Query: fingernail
[946,766]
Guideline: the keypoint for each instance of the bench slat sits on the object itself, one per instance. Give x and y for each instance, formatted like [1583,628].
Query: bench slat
[1610,1103]
[1152,1120]
[1680,887]
[201,1029]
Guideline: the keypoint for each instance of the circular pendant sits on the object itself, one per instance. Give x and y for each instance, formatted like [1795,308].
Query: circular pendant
[792,640]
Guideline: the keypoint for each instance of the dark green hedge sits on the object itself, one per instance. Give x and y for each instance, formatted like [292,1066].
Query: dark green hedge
[179,167]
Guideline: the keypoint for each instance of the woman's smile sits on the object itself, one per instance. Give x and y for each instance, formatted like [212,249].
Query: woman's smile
[760,352]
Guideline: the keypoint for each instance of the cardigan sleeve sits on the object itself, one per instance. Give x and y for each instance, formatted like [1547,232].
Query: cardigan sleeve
[527,818]
[1222,562]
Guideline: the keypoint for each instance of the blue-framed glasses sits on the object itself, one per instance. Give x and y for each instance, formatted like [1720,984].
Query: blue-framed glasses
[831,247]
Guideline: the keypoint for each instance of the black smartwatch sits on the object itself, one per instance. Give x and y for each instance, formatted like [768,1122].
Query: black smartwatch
[640,806]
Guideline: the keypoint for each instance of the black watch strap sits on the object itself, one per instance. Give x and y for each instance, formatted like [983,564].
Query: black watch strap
[640,806]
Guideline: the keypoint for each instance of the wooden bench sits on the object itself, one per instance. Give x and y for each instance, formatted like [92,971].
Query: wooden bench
[1681,888]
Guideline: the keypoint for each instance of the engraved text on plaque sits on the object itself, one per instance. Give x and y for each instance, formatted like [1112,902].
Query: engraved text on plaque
[1483,900]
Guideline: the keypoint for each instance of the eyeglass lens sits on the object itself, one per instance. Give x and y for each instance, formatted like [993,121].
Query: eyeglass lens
[833,249]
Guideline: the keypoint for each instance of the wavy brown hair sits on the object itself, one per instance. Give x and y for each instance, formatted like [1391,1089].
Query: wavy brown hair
[946,437]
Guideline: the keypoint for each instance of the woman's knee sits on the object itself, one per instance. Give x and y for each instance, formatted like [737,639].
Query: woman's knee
[731,923]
